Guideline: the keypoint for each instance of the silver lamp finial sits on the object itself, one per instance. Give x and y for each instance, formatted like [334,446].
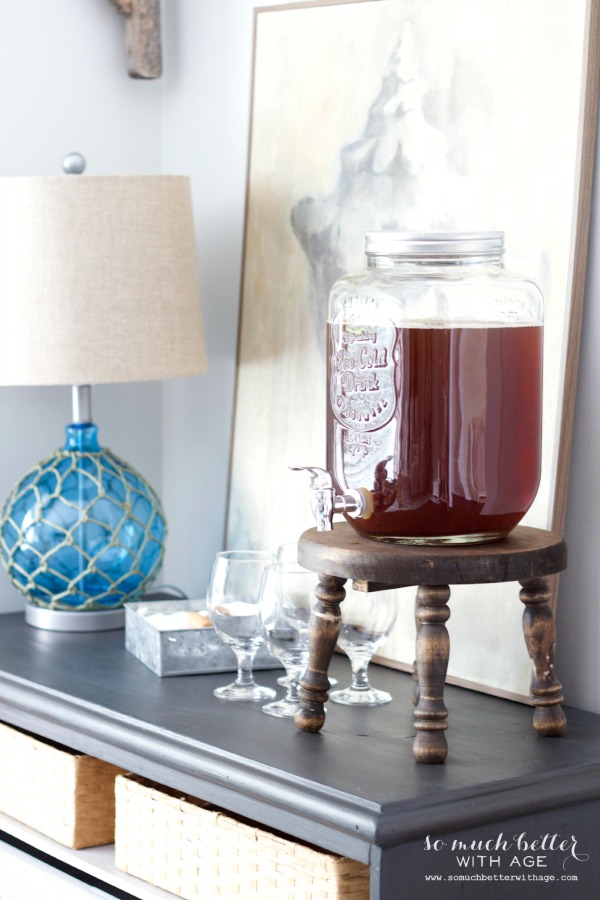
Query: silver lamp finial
[74,164]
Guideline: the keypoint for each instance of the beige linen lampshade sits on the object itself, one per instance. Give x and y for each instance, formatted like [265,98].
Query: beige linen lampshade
[98,280]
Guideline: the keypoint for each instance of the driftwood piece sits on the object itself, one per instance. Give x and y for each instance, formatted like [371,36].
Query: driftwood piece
[142,34]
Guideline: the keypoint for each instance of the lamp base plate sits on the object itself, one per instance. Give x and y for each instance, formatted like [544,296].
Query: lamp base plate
[76,620]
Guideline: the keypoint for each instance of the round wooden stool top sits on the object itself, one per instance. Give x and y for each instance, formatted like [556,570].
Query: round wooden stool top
[526,553]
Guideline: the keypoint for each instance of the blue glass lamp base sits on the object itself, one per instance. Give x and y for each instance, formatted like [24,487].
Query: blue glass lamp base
[82,531]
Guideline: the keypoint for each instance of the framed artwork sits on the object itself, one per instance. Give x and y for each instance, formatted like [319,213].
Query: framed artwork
[410,115]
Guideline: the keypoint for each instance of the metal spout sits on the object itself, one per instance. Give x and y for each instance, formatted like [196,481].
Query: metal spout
[325,502]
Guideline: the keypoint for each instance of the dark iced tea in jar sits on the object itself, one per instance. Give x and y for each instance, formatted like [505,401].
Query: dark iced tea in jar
[442,425]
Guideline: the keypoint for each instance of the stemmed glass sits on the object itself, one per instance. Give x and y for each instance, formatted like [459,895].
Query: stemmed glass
[367,620]
[286,599]
[232,599]
[288,553]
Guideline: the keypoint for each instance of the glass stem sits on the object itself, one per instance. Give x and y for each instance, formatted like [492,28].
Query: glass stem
[360,676]
[245,658]
[294,676]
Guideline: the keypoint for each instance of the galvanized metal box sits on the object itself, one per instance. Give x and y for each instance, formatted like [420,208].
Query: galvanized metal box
[182,646]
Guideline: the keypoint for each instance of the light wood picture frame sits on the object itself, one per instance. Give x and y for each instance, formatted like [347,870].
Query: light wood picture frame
[411,115]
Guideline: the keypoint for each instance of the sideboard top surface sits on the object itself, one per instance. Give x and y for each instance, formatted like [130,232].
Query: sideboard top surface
[355,783]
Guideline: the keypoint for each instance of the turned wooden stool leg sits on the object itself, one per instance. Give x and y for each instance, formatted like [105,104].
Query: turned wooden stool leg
[540,636]
[323,632]
[433,650]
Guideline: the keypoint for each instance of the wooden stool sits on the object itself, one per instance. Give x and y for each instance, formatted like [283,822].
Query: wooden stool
[527,555]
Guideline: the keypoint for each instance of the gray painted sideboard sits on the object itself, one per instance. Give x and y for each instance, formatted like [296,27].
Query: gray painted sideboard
[354,788]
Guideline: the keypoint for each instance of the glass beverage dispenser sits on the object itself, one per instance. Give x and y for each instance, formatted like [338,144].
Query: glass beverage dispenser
[434,392]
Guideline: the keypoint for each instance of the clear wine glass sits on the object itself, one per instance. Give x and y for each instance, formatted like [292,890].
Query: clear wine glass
[286,599]
[288,553]
[232,600]
[367,620]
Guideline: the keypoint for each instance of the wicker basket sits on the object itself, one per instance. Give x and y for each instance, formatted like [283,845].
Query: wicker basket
[59,792]
[198,852]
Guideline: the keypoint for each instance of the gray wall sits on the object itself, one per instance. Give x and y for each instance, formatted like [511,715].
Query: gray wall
[63,86]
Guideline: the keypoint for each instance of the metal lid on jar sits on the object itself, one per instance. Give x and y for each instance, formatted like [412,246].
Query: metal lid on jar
[434,243]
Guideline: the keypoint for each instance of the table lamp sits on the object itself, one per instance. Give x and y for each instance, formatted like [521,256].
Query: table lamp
[98,284]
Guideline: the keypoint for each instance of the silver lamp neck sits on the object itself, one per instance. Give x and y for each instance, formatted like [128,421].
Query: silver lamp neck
[82,404]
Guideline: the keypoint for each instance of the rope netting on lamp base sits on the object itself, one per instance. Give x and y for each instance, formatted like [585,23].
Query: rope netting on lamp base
[82,531]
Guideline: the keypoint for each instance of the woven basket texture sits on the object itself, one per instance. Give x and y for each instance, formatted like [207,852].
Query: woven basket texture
[57,791]
[198,852]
